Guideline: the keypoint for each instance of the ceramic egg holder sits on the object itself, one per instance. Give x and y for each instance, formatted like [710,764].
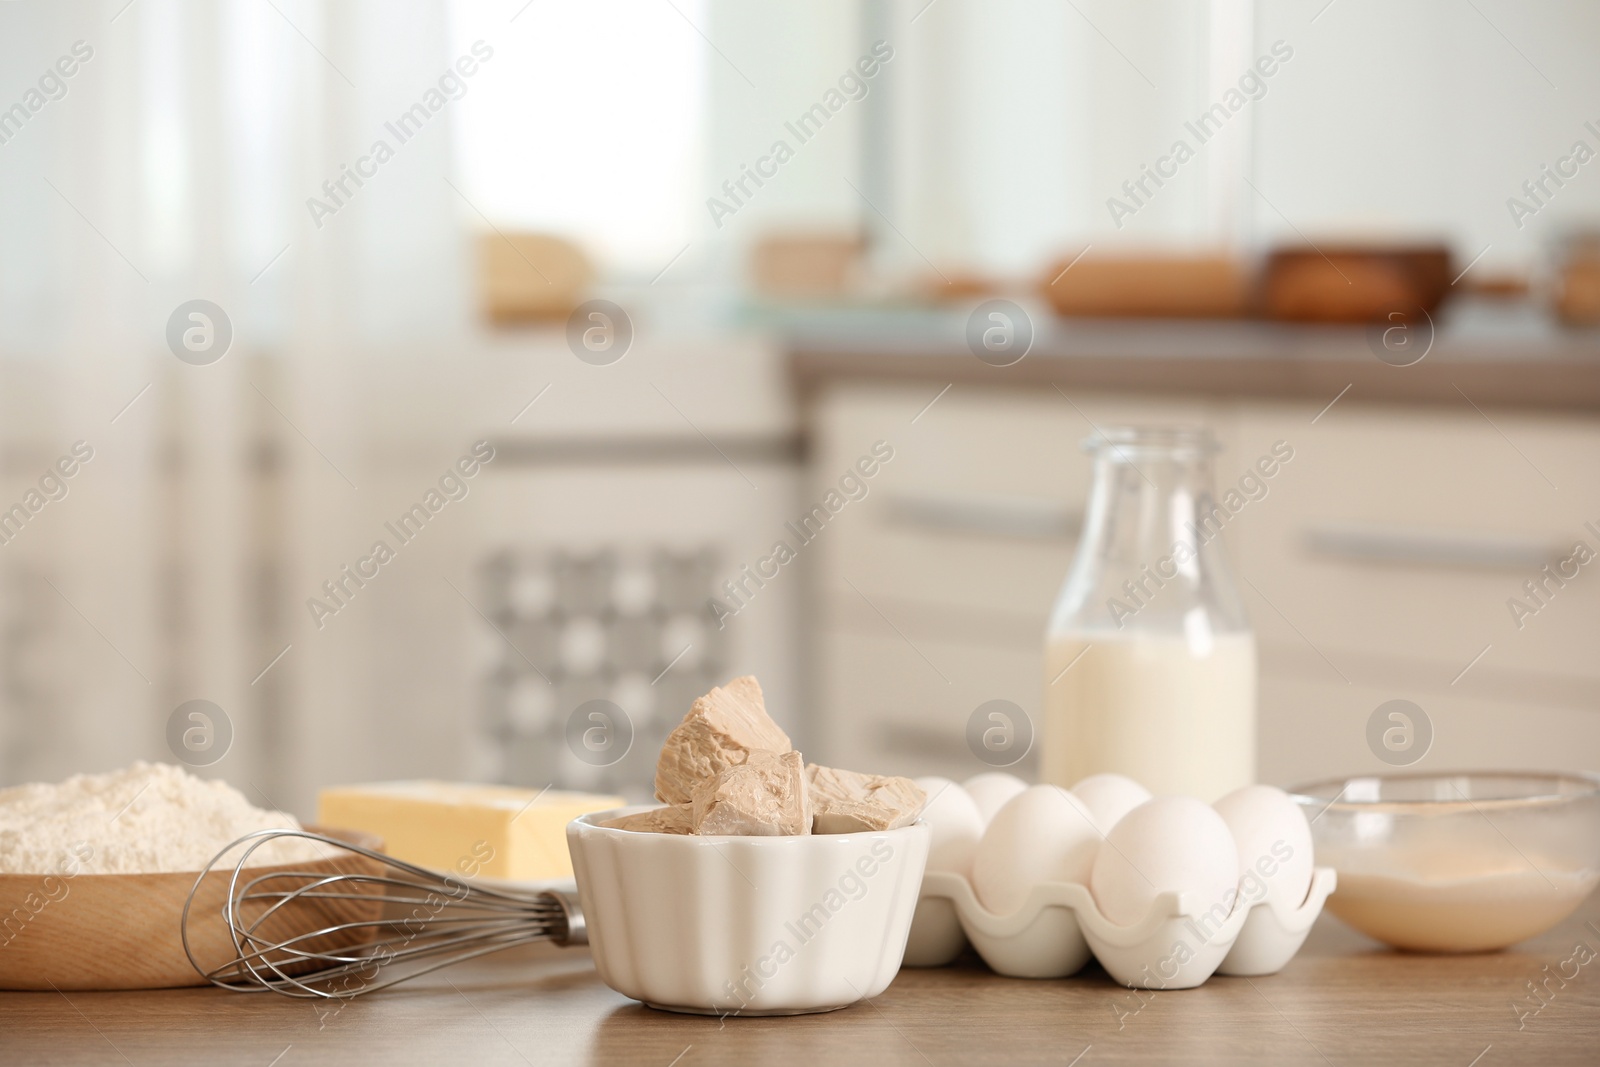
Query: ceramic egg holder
[1059,926]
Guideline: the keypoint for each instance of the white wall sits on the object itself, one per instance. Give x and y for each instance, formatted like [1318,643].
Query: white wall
[1012,124]
[1427,116]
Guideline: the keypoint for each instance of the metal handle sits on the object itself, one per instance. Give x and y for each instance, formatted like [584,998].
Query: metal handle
[1430,548]
[577,927]
[986,515]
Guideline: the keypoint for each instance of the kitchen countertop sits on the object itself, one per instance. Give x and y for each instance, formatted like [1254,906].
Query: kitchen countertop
[1342,1000]
[1495,356]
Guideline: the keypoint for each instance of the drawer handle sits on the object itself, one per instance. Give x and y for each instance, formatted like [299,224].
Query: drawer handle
[1376,544]
[988,516]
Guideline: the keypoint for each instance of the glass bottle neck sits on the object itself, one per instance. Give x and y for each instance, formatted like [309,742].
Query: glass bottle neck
[1150,556]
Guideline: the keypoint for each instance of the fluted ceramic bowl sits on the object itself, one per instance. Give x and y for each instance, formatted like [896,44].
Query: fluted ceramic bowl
[746,925]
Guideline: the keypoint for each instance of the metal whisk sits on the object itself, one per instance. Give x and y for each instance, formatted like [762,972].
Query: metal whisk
[354,922]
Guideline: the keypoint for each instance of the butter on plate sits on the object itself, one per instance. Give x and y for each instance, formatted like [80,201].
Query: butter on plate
[489,831]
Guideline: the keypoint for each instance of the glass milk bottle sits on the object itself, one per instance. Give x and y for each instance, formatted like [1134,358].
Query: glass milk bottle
[1150,664]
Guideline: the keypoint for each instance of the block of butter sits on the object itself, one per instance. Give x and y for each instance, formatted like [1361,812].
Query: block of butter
[489,831]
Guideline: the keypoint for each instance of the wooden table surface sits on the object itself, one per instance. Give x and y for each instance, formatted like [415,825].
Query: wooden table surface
[1342,1000]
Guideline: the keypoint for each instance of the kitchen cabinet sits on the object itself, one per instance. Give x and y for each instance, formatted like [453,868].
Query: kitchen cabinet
[1377,565]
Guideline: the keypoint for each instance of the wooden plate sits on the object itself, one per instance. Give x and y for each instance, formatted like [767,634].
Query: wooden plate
[124,931]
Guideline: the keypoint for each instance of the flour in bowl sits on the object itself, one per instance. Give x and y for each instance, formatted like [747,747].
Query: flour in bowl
[146,819]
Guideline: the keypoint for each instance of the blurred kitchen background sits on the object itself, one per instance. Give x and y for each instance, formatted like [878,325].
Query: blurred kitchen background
[1381,245]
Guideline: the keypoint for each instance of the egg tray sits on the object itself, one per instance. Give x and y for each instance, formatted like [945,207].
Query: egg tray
[1059,927]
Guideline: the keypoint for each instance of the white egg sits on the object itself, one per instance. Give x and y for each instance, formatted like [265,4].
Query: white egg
[1109,797]
[1043,834]
[955,824]
[991,791]
[1176,844]
[1274,841]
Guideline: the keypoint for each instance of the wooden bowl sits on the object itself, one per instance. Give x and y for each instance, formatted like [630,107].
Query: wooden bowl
[1354,283]
[125,931]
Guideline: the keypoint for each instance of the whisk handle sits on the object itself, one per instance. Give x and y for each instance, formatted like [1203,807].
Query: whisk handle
[577,929]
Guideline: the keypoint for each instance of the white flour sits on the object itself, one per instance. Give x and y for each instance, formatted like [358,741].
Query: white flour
[149,818]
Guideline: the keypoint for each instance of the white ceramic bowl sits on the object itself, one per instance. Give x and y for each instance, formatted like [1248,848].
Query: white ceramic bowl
[746,925]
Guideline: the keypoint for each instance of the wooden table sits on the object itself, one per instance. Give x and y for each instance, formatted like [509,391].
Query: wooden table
[1343,1000]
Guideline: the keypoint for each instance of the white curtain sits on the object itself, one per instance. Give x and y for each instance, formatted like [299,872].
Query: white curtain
[174,164]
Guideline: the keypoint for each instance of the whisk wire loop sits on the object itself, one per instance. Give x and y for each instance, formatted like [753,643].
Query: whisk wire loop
[306,929]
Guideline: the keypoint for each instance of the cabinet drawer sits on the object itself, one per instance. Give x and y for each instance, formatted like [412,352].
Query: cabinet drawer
[889,708]
[983,574]
[1408,534]
[1310,729]
[900,707]
[982,502]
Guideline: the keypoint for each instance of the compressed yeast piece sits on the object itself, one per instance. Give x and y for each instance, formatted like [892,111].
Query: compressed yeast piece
[720,731]
[498,831]
[765,796]
[672,819]
[847,802]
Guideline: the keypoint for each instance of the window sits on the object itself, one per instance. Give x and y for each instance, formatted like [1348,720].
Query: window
[589,125]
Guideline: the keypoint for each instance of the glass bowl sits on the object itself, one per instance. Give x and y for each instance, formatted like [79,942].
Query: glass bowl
[1468,862]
